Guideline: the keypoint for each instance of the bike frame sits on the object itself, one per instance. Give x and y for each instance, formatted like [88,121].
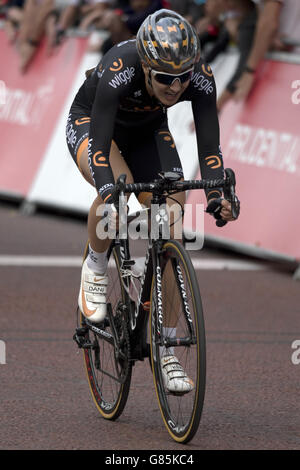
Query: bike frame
[139,312]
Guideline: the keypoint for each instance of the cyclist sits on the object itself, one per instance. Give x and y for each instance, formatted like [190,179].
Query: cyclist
[118,124]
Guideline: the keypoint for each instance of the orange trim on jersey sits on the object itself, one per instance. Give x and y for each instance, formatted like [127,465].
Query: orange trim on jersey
[106,198]
[215,191]
[80,151]
[83,120]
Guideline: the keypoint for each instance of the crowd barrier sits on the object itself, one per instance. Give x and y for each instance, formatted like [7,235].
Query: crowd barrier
[260,141]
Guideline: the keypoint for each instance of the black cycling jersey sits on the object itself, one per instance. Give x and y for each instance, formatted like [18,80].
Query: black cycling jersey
[115,97]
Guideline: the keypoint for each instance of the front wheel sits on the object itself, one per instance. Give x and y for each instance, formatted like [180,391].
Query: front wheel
[177,329]
[109,374]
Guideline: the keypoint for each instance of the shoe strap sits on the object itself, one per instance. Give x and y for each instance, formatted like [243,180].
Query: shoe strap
[92,288]
[96,279]
[96,299]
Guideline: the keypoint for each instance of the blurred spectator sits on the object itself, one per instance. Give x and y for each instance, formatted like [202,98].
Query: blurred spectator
[209,23]
[32,29]
[192,10]
[82,14]
[239,23]
[13,14]
[122,23]
[289,28]
[279,21]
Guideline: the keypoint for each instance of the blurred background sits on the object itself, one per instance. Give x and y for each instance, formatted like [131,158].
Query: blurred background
[253,48]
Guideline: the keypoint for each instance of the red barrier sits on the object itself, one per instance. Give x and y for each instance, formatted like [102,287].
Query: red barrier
[32,106]
[261,142]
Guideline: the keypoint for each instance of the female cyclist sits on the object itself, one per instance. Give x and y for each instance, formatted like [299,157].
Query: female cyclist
[118,123]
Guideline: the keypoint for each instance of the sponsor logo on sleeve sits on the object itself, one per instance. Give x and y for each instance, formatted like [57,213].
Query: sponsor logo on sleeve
[99,159]
[202,83]
[117,65]
[213,161]
[122,78]
[207,70]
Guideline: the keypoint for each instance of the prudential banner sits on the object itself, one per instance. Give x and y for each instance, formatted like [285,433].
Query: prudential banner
[261,143]
[30,104]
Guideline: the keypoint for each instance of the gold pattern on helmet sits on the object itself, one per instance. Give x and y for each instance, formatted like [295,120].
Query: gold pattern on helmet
[167,42]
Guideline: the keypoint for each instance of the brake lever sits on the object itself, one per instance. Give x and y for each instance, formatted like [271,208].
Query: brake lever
[119,190]
[229,192]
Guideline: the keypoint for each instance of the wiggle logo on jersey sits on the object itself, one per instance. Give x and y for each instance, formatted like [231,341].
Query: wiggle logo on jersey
[117,65]
[213,161]
[71,133]
[202,83]
[122,77]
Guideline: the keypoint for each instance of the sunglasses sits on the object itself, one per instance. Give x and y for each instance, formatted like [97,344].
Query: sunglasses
[168,79]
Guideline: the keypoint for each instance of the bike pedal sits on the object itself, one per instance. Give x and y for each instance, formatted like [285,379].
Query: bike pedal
[80,340]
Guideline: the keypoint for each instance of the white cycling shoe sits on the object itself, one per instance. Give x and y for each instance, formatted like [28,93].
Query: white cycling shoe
[174,376]
[92,294]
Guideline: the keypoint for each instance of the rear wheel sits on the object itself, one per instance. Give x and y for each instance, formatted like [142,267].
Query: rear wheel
[177,328]
[109,370]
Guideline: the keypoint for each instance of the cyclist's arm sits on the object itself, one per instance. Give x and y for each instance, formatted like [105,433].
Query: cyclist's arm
[208,136]
[100,137]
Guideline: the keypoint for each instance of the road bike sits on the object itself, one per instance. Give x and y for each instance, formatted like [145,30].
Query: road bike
[165,315]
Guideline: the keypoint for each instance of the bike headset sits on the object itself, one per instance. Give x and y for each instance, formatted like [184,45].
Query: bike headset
[168,45]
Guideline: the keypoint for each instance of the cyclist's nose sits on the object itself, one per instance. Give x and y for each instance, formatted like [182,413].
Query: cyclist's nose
[176,85]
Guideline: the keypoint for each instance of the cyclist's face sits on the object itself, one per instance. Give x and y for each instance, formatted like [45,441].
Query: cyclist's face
[167,94]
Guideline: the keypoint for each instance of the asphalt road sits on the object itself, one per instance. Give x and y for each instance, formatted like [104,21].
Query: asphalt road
[252,318]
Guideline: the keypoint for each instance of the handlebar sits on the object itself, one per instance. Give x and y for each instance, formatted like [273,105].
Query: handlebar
[170,183]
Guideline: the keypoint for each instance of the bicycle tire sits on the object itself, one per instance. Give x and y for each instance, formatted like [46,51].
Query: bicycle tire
[181,413]
[109,396]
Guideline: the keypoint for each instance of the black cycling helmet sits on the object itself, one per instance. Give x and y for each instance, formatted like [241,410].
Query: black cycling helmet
[167,42]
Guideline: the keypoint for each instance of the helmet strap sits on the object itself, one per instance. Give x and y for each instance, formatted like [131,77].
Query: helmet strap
[149,78]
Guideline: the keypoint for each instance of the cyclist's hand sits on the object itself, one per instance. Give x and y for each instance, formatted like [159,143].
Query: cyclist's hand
[226,212]
[220,209]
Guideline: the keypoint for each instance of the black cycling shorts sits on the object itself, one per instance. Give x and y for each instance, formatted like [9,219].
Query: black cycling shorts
[146,152]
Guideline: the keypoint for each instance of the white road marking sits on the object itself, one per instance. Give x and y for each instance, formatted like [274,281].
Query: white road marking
[76,261]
